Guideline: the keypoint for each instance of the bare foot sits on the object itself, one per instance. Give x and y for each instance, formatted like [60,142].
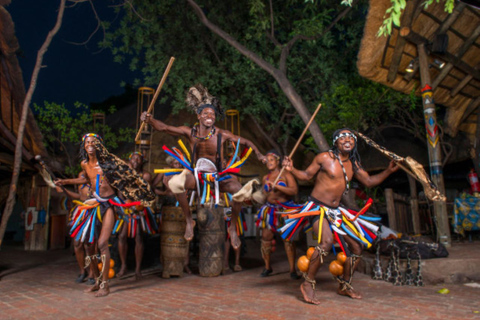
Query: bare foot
[103,291]
[189,229]
[93,288]
[122,271]
[234,239]
[237,268]
[308,293]
[138,276]
[349,293]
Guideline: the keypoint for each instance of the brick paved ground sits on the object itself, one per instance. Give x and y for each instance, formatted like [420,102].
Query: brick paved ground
[41,285]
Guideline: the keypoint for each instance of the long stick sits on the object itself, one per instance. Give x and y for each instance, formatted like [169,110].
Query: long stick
[155,96]
[299,140]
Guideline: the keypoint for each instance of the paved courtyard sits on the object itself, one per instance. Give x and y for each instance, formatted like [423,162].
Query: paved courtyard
[40,285]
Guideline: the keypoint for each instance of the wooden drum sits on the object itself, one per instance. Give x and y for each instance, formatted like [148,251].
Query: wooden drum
[173,246]
[211,228]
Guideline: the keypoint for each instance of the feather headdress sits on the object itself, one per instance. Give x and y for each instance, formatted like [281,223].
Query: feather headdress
[198,98]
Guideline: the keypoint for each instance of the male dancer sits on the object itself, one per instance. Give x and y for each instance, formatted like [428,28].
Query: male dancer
[78,245]
[334,170]
[136,223]
[269,218]
[105,172]
[206,141]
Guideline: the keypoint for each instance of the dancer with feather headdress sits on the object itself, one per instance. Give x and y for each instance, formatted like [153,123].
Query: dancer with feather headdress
[203,170]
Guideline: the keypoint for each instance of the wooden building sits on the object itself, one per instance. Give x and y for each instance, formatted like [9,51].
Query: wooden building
[32,211]
[436,55]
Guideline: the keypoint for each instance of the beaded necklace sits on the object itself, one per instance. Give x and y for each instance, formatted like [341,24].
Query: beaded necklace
[208,136]
[347,183]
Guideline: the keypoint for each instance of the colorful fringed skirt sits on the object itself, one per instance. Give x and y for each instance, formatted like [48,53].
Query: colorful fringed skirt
[241,223]
[134,218]
[342,222]
[269,215]
[207,177]
[87,217]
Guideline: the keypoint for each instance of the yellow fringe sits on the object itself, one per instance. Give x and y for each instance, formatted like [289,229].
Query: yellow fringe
[185,150]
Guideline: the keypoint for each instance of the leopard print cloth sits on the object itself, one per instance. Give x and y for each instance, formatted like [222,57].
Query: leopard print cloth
[124,179]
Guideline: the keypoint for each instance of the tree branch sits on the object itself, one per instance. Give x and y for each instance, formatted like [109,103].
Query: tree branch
[289,45]
[264,134]
[21,127]
[272,27]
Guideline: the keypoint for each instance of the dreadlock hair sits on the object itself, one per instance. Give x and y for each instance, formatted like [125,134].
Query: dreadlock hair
[83,154]
[354,155]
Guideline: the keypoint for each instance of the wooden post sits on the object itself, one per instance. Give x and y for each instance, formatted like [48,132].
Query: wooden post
[476,150]
[434,151]
[392,220]
[414,204]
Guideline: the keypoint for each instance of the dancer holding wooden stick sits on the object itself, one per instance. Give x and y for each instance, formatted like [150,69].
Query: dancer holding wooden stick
[333,171]
[204,172]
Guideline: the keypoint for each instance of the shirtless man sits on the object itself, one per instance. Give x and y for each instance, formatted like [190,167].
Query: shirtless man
[203,138]
[78,245]
[135,162]
[269,218]
[102,170]
[334,170]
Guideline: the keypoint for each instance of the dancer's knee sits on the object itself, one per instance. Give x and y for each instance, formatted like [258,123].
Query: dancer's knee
[103,245]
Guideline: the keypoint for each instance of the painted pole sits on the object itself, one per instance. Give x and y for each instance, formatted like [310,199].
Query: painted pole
[434,150]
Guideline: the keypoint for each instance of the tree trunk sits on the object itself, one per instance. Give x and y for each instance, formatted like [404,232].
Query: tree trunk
[21,127]
[278,75]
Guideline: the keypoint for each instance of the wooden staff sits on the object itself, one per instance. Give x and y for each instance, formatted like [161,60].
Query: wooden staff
[298,141]
[155,96]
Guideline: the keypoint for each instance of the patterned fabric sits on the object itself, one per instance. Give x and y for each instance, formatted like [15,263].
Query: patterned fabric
[466,215]
[340,221]
[124,179]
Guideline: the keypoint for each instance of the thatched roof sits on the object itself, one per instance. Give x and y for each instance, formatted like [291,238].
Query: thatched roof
[456,85]
[12,95]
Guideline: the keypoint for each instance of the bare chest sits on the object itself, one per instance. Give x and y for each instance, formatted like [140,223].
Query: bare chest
[206,148]
[336,169]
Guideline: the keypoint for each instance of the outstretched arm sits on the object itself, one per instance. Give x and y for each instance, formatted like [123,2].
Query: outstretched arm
[80,180]
[372,181]
[71,194]
[308,173]
[160,126]
[231,137]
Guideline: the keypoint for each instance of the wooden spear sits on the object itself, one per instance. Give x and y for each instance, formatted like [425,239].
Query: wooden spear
[155,96]
[298,141]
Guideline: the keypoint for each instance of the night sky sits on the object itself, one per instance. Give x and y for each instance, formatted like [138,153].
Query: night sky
[73,72]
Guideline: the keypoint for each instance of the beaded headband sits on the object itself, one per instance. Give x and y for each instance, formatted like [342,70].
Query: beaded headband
[276,156]
[92,135]
[344,134]
[134,153]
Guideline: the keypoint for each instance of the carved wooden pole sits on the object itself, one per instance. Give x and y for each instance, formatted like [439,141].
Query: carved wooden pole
[434,151]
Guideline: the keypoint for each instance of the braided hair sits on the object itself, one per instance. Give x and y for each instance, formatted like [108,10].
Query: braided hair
[83,155]
[354,155]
